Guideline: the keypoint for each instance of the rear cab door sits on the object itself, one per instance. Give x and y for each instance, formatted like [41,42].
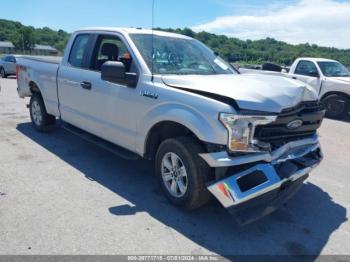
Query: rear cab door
[69,79]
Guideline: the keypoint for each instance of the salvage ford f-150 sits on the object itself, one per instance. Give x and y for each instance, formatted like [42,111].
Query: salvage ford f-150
[250,140]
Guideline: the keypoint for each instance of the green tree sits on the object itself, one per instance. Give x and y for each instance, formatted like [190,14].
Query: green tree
[230,48]
[24,39]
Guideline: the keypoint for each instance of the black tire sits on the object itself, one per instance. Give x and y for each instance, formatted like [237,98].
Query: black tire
[198,172]
[37,109]
[337,106]
[3,73]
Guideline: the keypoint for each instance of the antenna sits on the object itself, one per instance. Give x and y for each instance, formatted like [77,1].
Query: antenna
[152,58]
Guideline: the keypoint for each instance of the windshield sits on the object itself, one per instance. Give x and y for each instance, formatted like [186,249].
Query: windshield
[181,56]
[334,69]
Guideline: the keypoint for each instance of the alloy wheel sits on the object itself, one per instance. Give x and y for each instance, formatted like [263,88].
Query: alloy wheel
[174,175]
[36,113]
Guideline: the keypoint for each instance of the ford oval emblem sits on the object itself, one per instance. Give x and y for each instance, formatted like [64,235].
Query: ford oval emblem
[295,124]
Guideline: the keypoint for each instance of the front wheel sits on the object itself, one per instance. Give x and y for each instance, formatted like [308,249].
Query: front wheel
[336,106]
[182,174]
[41,120]
[3,73]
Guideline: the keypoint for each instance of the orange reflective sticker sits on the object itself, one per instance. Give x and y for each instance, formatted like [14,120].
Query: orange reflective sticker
[223,189]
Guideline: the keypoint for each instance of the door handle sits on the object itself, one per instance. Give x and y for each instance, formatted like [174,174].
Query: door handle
[86,85]
[294,77]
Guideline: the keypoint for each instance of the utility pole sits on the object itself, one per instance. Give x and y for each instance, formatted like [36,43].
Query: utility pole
[22,43]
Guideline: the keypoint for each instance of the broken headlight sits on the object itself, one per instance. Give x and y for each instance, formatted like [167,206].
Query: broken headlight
[241,130]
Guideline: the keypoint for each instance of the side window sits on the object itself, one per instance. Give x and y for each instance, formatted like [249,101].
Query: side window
[79,50]
[306,68]
[12,59]
[110,48]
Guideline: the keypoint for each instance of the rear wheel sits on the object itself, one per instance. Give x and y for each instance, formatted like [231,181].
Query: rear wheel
[182,174]
[41,120]
[3,73]
[336,106]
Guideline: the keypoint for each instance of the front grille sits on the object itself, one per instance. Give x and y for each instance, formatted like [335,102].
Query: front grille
[305,107]
[277,133]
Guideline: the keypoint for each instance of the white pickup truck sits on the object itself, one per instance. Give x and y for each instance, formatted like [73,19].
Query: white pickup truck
[251,141]
[329,78]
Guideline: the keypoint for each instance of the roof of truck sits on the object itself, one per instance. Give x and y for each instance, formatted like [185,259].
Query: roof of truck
[315,59]
[135,31]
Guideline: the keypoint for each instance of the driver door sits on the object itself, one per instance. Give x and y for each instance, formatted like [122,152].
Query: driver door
[307,72]
[115,121]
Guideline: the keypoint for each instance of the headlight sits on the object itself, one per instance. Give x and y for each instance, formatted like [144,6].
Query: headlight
[241,130]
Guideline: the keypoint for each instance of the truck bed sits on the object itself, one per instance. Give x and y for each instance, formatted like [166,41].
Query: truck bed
[40,71]
[45,59]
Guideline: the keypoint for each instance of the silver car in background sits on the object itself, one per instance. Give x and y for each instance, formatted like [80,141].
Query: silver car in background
[7,66]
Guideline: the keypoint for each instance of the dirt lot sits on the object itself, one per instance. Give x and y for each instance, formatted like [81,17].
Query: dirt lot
[62,195]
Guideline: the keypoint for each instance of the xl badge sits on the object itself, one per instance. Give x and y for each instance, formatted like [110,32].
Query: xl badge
[295,124]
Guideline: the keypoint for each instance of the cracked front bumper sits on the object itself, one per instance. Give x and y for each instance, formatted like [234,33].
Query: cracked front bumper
[264,187]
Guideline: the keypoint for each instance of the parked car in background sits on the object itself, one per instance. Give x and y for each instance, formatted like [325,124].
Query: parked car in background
[329,78]
[7,66]
[250,140]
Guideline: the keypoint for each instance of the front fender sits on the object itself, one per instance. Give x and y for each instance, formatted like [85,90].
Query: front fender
[329,87]
[206,127]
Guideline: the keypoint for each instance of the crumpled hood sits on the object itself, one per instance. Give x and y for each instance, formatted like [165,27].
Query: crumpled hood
[250,91]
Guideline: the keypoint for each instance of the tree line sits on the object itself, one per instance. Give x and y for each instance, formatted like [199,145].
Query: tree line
[24,38]
[230,48]
[264,50]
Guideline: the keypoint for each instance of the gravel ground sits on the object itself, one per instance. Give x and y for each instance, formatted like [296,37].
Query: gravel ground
[62,195]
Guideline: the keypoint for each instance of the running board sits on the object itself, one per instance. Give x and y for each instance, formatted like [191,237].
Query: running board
[117,150]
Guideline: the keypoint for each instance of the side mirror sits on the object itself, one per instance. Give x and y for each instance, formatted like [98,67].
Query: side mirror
[114,72]
[314,74]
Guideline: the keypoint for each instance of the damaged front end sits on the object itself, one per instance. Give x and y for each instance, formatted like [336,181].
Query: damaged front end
[261,189]
[252,185]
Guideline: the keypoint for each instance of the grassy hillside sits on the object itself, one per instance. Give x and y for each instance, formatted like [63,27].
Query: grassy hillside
[233,49]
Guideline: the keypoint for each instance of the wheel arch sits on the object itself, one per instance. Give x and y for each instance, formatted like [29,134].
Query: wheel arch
[34,87]
[335,93]
[164,130]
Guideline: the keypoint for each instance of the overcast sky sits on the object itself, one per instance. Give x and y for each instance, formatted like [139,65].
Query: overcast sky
[323,22]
